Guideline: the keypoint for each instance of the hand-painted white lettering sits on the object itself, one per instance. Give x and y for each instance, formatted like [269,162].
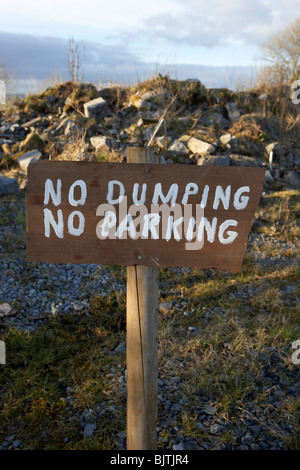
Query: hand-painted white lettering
[173,227]
[209,227]
[142,199]
[240,202]
[231,235]
[190,189]
[190,229]
[104,228]
[57,226]
[83,189]
[150,223]
[49,191]
[80,229]
[224,197]
[171,196]
[204,196]
[110,193]
[126,225]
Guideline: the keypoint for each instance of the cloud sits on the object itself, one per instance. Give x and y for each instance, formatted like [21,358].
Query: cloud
[34,60]
[30,56]
[218,23]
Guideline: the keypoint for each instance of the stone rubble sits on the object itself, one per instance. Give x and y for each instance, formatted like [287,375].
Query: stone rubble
[208,130]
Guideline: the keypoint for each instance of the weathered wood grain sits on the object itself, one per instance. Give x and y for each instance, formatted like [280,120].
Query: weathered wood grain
[88,248]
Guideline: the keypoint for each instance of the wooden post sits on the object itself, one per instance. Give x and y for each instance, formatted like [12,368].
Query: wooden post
[142,340]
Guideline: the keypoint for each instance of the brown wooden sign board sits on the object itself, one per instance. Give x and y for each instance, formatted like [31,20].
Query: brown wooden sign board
[140,214]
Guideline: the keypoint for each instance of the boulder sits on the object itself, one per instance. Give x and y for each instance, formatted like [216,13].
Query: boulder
[219,120]
[107,148]
[225,139]
[233,111]
[8,186]
[29,157]
[100,143]
[214,160]
[200,147]
[242,160]
[97,108]
[178,148]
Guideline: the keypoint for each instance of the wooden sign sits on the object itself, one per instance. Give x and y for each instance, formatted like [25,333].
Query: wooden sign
[140,214]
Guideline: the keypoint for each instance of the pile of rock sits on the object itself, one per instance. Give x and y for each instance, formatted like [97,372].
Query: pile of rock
[203,127]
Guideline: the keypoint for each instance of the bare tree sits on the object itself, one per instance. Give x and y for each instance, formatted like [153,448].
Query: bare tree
[75,67]
[281,54]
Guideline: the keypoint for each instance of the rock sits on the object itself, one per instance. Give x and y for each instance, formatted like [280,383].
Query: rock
[121,348]
[178,148]
[200,426]
[89,430]
[97,108]
[107,147]
[268,177]
[292,179]
[233,111]
[162,142]
[103,145]
[214,160]
[219,120]
[16,444]
[225,139]
[32,142]
[5,309]
[8,186]
[242,160]
[29,157]
[142,101]
[200,147]
[164,307]
[215,428]
[148,133]
[210,410]
[179,446]
[99,141]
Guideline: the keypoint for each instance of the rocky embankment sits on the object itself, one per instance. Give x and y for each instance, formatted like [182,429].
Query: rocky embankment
[191,125]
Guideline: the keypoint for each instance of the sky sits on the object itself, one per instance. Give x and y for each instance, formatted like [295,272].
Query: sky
[219,42]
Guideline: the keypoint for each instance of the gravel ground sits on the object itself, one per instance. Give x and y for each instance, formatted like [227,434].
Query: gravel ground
[31,292]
